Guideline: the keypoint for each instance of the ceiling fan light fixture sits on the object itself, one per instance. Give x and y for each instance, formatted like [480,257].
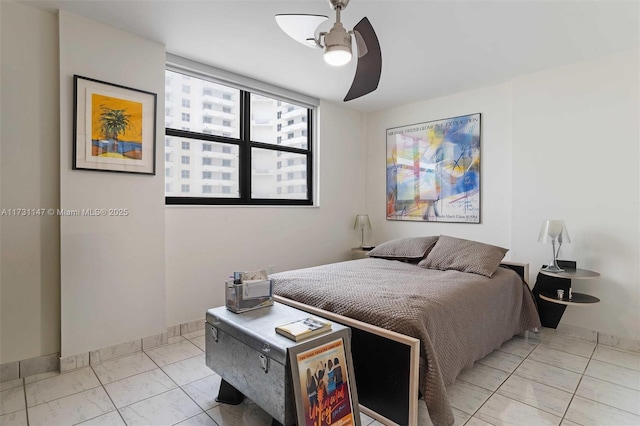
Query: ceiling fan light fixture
[337,55]
[337,45]
[337,42]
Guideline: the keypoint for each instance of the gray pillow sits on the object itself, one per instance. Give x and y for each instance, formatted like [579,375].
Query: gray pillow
[464,255]
[404,248]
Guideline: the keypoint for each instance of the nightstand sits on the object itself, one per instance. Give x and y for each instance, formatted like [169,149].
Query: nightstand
[360,252]
[550,307]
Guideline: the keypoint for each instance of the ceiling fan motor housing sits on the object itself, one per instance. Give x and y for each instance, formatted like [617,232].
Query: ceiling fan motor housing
[338,38]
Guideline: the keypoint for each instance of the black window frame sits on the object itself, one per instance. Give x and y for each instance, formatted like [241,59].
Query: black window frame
[245,145]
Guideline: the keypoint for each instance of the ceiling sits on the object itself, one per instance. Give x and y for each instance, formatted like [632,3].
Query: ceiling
[429,48]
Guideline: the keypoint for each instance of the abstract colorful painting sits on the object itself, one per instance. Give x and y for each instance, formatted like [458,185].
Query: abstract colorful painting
[433,171]
[115,127]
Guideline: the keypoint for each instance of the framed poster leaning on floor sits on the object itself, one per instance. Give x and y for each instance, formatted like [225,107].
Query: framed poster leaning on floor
[324,385]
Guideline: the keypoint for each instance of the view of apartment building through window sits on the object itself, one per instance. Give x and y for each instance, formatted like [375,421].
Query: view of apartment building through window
[208,162]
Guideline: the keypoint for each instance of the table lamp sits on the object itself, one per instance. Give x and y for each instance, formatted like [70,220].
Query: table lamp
[556,232]
[362,221]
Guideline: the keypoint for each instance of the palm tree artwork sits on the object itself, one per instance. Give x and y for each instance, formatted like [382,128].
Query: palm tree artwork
[112,123]
[116,127]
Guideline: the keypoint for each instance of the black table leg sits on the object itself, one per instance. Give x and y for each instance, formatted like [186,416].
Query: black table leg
[227,394]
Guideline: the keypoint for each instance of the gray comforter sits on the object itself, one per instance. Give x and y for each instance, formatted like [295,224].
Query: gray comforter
[458,317]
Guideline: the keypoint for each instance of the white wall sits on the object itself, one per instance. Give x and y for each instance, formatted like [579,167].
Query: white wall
[113,275]
[494,103]
[563,144]
[29,134]
[576,145]
[206,244]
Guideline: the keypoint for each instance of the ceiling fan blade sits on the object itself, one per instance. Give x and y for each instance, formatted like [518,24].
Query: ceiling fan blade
[301,28]
[362,47]
[369,66]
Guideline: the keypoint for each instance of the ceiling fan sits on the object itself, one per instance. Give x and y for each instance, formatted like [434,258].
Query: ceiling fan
[337,45]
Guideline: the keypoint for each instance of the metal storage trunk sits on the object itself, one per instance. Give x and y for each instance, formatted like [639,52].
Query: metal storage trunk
[245,350]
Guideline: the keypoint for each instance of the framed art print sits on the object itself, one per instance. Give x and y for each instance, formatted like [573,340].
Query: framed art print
[433,171]
[114,127]
[324,385]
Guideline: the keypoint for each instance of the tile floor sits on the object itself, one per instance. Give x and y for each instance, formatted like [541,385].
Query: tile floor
[545,379]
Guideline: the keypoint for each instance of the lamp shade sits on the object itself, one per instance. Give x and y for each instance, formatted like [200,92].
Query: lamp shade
[362,221]
[553,229]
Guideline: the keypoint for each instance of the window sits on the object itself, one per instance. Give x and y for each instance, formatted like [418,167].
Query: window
[235,158]
[167,172]
[186,89]
[167,157]
[167,142]
[290,122]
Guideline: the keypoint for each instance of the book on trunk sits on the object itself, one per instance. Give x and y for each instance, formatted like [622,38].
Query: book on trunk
[304,328]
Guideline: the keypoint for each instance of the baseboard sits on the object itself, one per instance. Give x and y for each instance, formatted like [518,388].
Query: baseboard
[54,363]
[599,337]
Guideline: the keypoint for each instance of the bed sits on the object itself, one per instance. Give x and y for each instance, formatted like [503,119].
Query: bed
[414,327]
